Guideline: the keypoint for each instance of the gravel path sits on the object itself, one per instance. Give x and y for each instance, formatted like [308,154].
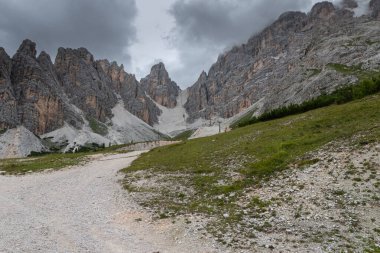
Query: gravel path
[84,209]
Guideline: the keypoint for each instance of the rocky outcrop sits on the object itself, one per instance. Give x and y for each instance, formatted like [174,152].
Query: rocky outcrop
[39,105]
[290,61]
[86,88]
[75,97]
[129,89]
[199,96]
[69,113]
[8,102]
[323,10]
[94,86]
[19,142]
[160,87]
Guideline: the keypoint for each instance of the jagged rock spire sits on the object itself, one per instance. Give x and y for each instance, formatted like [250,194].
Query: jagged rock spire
[27,47]
[160,87]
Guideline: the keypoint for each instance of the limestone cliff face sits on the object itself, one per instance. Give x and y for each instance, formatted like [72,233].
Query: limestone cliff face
[129,89]
[288,62]
[42,96]
[86,88]
[8,102]
[39,105]
[31,94]
[69,113]
[200,95]
[94,86]
[160,87]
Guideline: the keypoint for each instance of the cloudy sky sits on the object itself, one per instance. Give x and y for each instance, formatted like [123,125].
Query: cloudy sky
[187,35]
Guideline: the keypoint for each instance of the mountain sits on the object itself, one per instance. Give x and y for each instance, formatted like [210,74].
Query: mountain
[76,101]
[160,87]
[131,92]
[96,86]
[296,58]
[8,100]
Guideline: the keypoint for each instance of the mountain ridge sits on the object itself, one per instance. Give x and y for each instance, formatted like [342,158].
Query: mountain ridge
[268,70]
[76,98]
[297,57]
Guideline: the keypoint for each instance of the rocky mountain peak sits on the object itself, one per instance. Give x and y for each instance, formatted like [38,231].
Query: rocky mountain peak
[114,65]
[291,15]
[132,94]
[80,53]
[40,107]
[84,54]
[323,10]
[48,68]
[3,53]
[27,47]
[160,87]
[159,67]
[159,72]
[292,20]
[104,64]
[115,72]
[44,58]
[5,62]
[203,76]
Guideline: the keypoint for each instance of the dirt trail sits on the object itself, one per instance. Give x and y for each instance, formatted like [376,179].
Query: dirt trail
[84,209]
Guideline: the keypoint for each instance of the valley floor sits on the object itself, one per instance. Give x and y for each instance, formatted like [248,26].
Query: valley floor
[84,209]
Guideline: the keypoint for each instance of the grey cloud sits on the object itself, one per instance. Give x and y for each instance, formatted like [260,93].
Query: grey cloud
[226,21]
[104,27]
[216,25]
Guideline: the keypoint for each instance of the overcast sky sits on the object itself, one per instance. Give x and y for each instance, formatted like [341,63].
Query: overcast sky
[187,35]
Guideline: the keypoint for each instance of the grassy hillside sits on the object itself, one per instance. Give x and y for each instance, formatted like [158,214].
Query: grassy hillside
[267,146]
[209,175]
